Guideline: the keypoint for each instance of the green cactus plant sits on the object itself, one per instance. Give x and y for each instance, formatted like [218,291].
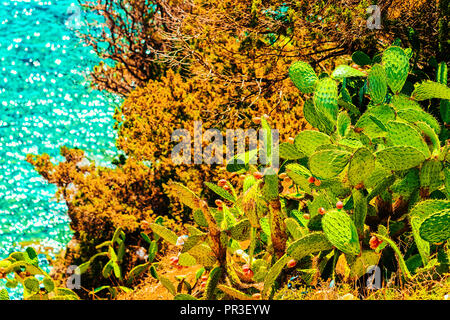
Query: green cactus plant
[343,193]
[24,269]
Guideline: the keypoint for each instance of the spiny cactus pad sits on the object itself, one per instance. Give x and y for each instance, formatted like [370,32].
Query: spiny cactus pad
[416,115]
[417,215]
[289,152]
[430,174]
[344,71]
[361,166]
[234,293]
[401,101]
[308,244]
[360,265]
[343,123]
[429,90]
[308,141]
[383,113]
[241,231]
[436,227]
[203,255]
[341,231]
[399,157]
[316,119]
[273,274]
[396,64]
[303,76]
[186,196]
[326,98]
[403,134]
[327,164]
[377,84]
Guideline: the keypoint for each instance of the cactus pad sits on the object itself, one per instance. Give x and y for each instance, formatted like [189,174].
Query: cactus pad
[315,119]
[289,152]
[396,64]
[360,58]
[436,227]
[343,123]
[399,157]
[241,231]
[429,90]
[326,98]
[377,84]
[403,134]
[308,244]
[303,76]
[327,164]
[308,141]
[341,231]
[344,71]
[234,293]
[186,196]
[416,115]
[164,233]
[203,255]
[360,265]
[361,166]
[430,174]
[401,101]
[417,215]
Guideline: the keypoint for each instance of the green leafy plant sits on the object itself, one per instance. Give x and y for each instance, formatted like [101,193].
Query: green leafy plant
[22,269]
[114,250]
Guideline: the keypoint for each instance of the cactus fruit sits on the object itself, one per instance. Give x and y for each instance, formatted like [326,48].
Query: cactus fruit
[291,263]
[322,211]
[258,175]
[374,242]
[396,64]
[339,205]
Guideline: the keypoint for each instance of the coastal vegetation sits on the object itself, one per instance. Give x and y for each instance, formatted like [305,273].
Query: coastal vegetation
[359,205]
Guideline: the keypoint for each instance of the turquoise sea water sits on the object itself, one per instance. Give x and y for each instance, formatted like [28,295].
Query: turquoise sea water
[45,103]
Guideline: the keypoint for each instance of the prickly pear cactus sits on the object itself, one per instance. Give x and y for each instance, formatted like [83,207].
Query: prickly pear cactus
[303,76]
[396,64]
[341,231]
